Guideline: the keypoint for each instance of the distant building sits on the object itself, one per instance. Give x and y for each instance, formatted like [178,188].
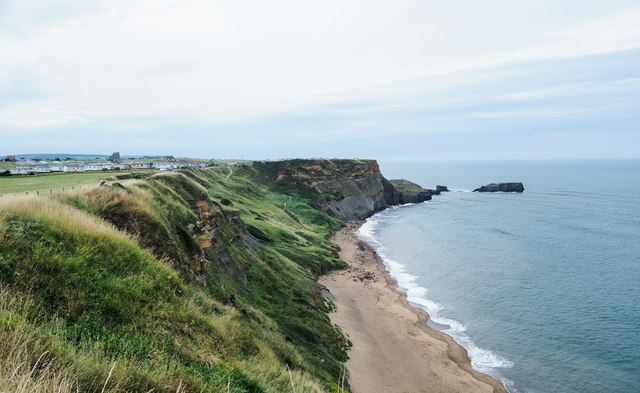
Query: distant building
[115,156]
[165,165]
[119,166]
[140,165]
[73,168]
[10,158]
[23,162]
[98,166]
[22,170]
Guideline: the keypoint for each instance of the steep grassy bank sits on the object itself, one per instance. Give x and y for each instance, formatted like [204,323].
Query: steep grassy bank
[182,281]
[179,281]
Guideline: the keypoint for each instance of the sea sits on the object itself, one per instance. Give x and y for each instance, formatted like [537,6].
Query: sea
[542,288]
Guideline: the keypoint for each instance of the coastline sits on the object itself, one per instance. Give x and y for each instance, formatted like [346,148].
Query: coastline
[394,350]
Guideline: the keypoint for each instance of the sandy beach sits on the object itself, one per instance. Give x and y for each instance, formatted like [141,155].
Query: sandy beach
[393,348]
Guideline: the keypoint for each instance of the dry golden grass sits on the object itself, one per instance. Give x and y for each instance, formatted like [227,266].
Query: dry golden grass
[16,375]
[52,210]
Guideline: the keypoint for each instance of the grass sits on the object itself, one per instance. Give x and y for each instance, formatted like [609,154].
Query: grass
[406,185]
[98,297]
[115,280]
[40,375]
[44,183]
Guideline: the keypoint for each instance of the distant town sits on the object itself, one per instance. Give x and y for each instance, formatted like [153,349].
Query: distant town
[35,165]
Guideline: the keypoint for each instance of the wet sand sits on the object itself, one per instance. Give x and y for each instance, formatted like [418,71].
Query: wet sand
[393,348]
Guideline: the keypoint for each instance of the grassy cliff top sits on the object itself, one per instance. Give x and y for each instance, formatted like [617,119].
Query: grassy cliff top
[182,281]
[406,185]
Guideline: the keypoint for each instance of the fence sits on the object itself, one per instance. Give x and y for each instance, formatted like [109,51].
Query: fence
[49,191]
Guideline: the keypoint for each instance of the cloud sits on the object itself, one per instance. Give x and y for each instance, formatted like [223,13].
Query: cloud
[227,59]
[35,115]
[278,72]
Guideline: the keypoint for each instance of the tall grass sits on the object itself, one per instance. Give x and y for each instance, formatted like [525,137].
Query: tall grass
[55,213]
[25,365]
[18,376]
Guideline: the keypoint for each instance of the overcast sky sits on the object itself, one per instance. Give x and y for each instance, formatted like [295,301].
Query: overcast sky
[393,80]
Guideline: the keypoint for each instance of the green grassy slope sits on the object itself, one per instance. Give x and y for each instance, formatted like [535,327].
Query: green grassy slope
[405,185]
[184,281]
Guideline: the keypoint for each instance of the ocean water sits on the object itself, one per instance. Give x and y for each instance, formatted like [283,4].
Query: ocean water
[542,288]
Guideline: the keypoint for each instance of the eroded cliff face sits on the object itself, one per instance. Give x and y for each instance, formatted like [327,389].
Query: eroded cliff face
[351,189]
[362,192]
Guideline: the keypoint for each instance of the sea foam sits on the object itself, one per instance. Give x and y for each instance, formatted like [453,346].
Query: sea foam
[482,359]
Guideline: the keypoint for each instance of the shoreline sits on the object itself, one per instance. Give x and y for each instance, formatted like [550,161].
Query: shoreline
[394,349]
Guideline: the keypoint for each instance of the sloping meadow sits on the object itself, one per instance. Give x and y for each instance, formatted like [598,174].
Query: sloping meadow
[184,281]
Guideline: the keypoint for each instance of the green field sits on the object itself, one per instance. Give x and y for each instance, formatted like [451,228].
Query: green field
[54,181]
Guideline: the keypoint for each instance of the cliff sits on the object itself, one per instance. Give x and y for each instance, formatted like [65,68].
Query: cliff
[409,192]
[182,281]
[347,189]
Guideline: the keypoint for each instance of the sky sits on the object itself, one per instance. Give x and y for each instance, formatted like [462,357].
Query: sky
[394,80]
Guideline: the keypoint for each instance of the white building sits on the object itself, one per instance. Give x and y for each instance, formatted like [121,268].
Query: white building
[120,166]
[22,170]
[162,165]
[73,168]
[98,166]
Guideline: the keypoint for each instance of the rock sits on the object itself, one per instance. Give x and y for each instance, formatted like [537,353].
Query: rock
[408,192]
[501,187]
[438,190]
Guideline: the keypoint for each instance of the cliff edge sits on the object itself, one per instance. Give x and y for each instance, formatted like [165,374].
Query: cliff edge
[347,189]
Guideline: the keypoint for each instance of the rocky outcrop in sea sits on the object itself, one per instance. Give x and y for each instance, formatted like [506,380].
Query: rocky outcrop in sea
[501,187]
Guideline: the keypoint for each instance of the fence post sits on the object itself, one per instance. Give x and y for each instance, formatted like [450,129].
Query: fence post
[38,193]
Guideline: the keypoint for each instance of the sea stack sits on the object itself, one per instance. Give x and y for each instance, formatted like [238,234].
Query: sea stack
[501,187]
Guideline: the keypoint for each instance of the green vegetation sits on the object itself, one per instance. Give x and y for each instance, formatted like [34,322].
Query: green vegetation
[405,185]
[181,281]
[44,183]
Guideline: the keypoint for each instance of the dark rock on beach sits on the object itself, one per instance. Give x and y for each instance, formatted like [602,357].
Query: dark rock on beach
[501,187]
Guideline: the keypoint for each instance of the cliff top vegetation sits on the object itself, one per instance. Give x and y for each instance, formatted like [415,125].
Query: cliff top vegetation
[185,281]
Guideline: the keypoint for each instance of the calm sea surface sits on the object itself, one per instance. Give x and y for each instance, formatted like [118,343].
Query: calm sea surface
[542,288]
